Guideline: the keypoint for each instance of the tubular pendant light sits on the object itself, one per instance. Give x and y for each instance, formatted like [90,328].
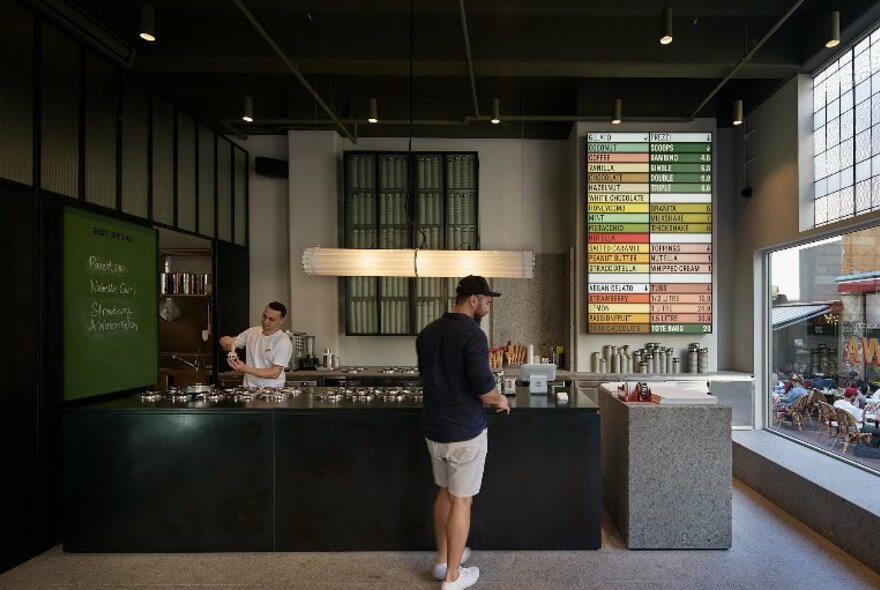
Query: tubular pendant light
[617,111]
[738,112]
[247,113]
[666,25]
[353,262]
[833,29]
[148,23]
[373,111]
[496,111]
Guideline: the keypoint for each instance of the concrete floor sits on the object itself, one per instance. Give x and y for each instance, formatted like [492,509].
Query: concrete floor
[770,550]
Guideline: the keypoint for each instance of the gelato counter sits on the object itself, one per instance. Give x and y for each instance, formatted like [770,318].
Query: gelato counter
[316,468]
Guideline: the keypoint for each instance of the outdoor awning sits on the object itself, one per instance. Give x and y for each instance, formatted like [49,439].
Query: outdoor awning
[787,315]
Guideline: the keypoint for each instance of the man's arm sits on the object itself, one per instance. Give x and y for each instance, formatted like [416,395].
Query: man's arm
[494,398]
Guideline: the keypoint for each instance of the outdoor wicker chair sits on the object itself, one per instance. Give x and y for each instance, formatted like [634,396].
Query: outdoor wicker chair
[848,431]
[827,421]
[795,412]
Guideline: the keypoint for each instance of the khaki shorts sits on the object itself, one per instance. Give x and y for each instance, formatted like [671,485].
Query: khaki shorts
[459,465]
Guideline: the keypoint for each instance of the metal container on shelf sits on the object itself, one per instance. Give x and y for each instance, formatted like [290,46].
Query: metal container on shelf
[603,366]
[703,360]
[615,363]
[594,361]
[669,353]
[693,358]
[166,283]
[676,366]
[606,354]
[660,362]
[649,361]
[643,367]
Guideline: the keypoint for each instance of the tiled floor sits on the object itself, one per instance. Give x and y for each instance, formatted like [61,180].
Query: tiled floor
[770,550]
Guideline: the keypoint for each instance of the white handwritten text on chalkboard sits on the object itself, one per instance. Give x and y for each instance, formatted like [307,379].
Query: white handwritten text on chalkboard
[111,318]
[120,288]
[106,265]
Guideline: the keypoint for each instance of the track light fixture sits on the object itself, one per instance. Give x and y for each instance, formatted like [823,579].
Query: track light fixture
[617,111]
[833,29]
[247,113]
[738,112]
[666,25]
[148,23]
[373,111]
[496,111]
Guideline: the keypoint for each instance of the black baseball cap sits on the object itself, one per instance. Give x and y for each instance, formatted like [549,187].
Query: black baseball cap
[474,285]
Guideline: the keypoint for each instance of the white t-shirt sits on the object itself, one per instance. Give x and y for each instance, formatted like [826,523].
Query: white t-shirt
[264,352]
[852,409]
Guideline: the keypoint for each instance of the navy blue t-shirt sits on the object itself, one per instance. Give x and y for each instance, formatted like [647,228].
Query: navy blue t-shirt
[454,365]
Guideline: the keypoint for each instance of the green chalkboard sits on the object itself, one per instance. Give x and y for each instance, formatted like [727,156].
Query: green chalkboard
[109,305]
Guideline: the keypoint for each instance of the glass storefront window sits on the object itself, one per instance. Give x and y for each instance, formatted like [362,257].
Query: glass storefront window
[825,345]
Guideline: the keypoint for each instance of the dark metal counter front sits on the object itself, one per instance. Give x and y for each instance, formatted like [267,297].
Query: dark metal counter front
[305,475]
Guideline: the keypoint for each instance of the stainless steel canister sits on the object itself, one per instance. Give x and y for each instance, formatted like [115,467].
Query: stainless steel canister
[643,367]
[649,361]
[163,283]
[603,366]
[629,365]
[669,353]
[615,363]
[606,354]
[693,358]
[594,361]
[703,361]
[676,366]
[661,360]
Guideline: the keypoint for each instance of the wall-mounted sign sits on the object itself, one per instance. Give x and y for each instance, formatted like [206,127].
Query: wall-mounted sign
[649,233]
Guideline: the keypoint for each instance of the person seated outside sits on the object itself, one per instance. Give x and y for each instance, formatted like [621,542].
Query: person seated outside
[848,404]
[795,392]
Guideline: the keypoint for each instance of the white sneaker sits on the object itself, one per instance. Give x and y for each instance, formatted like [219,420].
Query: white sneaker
[467,577]
[440,568]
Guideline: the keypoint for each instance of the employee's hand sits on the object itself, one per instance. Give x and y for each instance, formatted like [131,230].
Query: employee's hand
[237,364]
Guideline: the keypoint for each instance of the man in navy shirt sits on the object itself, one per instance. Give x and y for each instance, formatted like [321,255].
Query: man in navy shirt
[453,357]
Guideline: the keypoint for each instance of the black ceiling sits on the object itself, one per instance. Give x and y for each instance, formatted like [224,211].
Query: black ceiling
[548,60]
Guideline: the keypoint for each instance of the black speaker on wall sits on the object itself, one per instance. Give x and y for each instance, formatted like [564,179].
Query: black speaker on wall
[271,167]
[746,193]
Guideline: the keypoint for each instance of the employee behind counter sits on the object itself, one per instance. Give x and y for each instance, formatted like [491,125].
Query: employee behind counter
[267,349]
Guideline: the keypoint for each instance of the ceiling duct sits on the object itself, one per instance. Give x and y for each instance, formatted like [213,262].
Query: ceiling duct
[85,28]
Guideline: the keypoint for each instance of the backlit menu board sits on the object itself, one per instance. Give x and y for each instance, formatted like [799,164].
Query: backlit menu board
[649,233]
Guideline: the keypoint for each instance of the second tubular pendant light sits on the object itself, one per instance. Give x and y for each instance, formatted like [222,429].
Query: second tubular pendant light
[373,111]
[496,111]
[666,25]
[247,112]
[833,29]
[148,23]
[617,111]
[738,112]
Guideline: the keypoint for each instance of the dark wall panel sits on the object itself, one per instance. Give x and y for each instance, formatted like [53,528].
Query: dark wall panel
[231,293]
[19,459]
[101,117]
[224,189]
[240,196]
[186,172]
[60,107]
[163,161]
[207,181]
[16,93]
[135,149]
